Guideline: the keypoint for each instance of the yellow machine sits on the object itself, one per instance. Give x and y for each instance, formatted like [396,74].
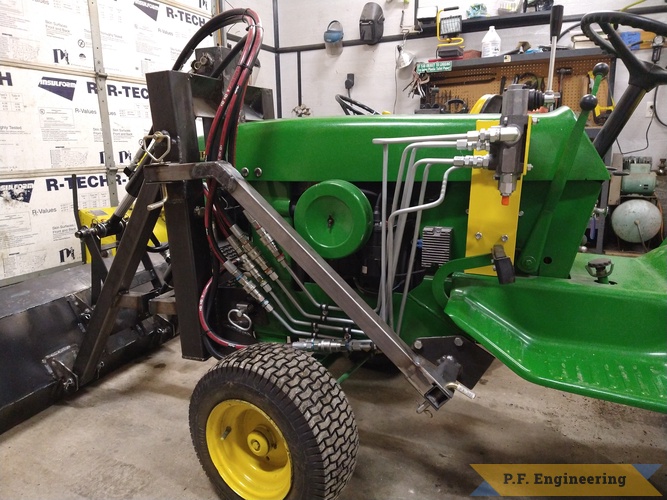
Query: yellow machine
[93,216]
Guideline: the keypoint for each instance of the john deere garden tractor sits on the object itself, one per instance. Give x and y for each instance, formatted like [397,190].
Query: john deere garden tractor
[440,242]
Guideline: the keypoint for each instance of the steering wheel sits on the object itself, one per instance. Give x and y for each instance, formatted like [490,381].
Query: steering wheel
[350,106]
[643,74]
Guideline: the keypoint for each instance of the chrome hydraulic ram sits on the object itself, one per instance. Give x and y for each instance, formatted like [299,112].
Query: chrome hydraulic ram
[435,383]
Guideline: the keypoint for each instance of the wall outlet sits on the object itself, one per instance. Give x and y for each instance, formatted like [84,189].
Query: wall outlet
[649,109]
[349,81]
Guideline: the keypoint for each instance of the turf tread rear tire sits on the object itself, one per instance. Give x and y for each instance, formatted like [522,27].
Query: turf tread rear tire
[302,397]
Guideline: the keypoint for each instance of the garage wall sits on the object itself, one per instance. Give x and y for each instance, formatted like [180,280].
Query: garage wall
[323,75]
[51,123]
[378,85]
[637,134]
[51,127]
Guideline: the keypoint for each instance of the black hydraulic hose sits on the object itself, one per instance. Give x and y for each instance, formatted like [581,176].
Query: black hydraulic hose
[565,32]
[237,84]
[213,351]
[213,289]
[166,280]
[226,18]
[135,182]
[159,246]
[229,57]
[223,19]
[205,310]
[231,137]
[77,216]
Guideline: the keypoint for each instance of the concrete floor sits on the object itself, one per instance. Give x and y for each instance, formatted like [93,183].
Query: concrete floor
[127,437]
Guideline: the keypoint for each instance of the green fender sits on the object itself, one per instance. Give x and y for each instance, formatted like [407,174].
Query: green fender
[607,341]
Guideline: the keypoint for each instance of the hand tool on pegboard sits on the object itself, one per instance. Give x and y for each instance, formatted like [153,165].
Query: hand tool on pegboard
[456,105]
[562,73]
[469,80]
[600,113]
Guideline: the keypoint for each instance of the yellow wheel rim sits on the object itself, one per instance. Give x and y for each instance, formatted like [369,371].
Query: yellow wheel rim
[249,451]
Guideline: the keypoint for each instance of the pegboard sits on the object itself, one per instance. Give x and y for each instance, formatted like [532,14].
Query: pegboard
[475,79]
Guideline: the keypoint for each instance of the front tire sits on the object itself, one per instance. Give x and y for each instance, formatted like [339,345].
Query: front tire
[269,422]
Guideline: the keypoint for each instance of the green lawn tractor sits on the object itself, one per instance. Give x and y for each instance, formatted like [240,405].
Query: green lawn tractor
[434,242]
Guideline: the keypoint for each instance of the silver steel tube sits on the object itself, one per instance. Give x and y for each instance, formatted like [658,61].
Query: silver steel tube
[393,244]
[386,303]
[296,332]
[552,64]
[270,245]
[408,180]
[319,326]
[295,303]
[413,251]
[431,204]
[407,140]
[382,299]
[409,184]
[307,292]
[422,207]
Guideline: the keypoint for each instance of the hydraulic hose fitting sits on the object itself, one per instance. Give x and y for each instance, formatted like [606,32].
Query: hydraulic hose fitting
[329,346]
[234,243]
[248,286]
[254,272]
[243,240]
[240,235]
[265,237]
[110,227]
[481,161]
[261,262]
[481,139]
[251,251]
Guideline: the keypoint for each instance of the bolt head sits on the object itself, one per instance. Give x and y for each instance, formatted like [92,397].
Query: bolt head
[529,262]
[258,443]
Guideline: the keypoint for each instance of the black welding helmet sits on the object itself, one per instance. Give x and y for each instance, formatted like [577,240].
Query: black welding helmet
[371,23]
